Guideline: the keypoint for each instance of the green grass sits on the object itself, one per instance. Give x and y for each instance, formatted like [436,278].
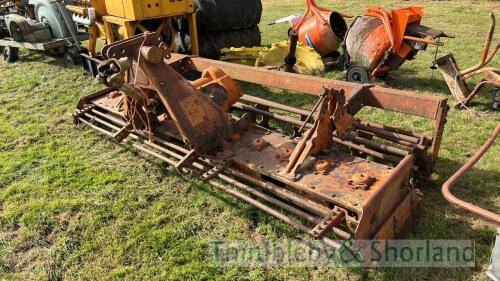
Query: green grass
[74,205]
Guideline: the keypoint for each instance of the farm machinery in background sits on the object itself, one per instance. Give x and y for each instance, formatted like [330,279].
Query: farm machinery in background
[330,174]
[456,79]
[199,27]
[114,20]
[42,25]
[375,44]
[381,41]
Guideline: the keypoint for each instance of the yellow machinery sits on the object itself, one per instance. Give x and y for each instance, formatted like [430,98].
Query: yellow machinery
[121,19]
[309,62]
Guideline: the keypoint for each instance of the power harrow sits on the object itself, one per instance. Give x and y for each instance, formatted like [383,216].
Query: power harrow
[331,175]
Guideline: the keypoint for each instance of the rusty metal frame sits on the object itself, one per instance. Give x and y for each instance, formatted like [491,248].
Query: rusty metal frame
[392,202]
[416,104]
[457,79]
[350,195]
[461,172]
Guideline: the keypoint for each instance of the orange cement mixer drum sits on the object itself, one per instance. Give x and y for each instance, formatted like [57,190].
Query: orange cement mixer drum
[324,31]
[367,42]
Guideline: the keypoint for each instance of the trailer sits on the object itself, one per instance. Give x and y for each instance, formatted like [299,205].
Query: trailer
[10,48]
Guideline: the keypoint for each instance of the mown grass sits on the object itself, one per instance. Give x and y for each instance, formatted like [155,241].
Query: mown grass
[75,206]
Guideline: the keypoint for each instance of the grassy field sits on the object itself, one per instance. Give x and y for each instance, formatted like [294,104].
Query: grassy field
[76,206]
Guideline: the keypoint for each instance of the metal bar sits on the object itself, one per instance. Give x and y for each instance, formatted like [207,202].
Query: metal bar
[33,46]
[438,132]
[237,184]
[111,118]
[405,143]
[283,193]
[261,206]
[374,153]
[380,147]
[290,120]
[486,47]
[99,129]
[383,156]
[313,111]
[267,209]
[146,136]
[152,153]
[136,137]
[326,224]
[305,203]
[275,105]
[395,130]
[270,199]
[272,212]
[95,118]
[423,40]
[390,131]
[415,136]
[225,178]
[285,206]
[465,103]
[411,103]
[460,173]
[302,202]
[393,135]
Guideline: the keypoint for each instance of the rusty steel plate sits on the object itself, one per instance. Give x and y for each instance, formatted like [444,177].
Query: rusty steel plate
[334,186]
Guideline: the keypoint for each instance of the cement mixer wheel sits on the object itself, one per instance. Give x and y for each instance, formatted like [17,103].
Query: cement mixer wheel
[357,74]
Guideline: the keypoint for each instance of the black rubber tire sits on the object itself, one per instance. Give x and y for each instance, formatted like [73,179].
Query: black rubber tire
[10,54]
[57,52]
[70,59]
[224,15]
[210,43]
[358,74]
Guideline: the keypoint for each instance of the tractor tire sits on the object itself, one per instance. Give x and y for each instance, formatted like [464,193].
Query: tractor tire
[211,43]
[10,54]
[225,15]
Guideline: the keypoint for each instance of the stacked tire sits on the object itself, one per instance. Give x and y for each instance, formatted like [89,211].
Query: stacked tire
[223,24]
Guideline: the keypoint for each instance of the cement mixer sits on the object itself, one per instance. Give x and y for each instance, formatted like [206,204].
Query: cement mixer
[319,28]
[381,41]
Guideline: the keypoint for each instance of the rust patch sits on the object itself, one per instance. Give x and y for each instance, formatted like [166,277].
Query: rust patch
[284,154]
[361,180]
[322,166]
[258,144]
